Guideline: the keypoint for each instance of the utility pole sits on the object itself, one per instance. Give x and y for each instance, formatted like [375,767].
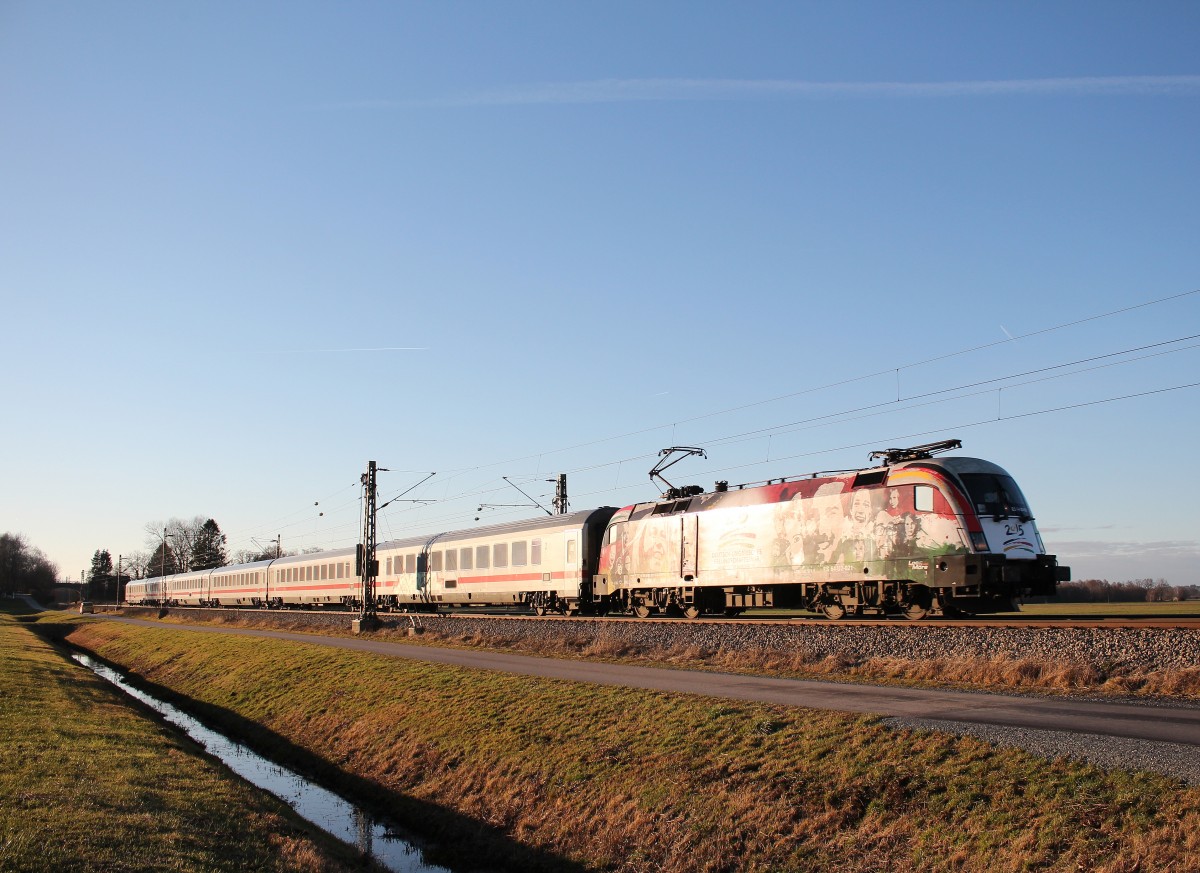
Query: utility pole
[117,605]
[368,565]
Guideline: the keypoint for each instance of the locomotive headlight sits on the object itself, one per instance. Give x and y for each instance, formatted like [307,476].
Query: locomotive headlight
[979,541]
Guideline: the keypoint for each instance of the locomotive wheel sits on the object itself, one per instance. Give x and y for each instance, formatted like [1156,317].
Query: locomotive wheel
[915,611]
[539,610]
[642,611]
[833,610]
[691,611]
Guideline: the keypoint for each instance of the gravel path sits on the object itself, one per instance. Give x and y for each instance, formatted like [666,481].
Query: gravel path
[1111,753]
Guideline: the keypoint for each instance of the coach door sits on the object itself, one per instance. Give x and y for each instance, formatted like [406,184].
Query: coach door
[422,570]
[687,546]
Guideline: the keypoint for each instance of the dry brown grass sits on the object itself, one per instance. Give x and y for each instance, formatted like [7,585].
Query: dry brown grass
[625,780]
[1007,674]
[1015,674]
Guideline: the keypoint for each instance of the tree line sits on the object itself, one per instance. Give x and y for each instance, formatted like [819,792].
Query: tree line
[1132,591]
[24,569]
[174,546]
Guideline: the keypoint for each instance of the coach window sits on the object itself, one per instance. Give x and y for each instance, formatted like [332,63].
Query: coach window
[324,571]
[464,559]
[451,561]
[520,554]
[535,552]
[389,566]
[481,557]
[435,562]
[571,552]
[923,498]
[410,563]
[339,569]
[500,555]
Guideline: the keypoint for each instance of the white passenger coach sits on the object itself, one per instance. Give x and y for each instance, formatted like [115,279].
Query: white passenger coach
[542,564]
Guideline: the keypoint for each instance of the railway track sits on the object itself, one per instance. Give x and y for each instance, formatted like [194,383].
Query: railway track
[1146,622]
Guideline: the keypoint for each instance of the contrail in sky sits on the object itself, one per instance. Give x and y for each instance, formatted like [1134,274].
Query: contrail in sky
[635,90]
[383,349]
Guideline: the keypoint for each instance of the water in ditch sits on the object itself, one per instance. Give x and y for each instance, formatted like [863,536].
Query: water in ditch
[323,808]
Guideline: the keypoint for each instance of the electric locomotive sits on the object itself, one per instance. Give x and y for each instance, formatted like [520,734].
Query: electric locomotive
[916,535]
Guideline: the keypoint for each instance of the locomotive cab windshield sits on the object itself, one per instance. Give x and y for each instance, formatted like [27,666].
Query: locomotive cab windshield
[996,496]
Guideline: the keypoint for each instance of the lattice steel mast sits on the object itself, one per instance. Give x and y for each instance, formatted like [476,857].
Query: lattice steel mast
[368,564]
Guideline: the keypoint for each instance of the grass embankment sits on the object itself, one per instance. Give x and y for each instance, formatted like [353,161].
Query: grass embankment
[1061,675]
[87,783]
[618,779]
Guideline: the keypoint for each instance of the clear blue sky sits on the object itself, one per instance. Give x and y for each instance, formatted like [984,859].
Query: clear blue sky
[568,234]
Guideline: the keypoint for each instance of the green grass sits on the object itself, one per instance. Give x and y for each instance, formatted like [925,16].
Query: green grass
[88,783]
[516,772]
[1170,609]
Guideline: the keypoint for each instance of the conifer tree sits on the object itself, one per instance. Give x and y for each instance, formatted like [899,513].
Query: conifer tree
[162,562]
[101,575]
[208,551]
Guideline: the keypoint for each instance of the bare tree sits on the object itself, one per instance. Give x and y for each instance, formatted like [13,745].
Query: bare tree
[251,556]
[135,565]
[25,568]
[182,537]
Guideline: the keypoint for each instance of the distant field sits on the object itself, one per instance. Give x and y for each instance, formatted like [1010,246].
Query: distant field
[1190,608]
[1171,609]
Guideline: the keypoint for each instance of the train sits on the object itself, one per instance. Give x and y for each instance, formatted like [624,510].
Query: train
[916,534]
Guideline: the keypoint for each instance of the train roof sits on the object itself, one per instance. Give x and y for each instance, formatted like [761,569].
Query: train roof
[787,487]
[573,519]
[323,555]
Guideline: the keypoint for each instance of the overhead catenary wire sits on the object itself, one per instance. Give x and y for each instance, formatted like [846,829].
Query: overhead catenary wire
[479,491]
[465,517]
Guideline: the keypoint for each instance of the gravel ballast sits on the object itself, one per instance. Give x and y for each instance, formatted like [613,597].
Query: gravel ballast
[1104,648]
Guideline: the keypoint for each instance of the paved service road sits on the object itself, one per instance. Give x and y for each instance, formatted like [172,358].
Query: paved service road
[1159,723]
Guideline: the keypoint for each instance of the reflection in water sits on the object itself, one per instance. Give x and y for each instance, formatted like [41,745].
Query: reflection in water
[323,808]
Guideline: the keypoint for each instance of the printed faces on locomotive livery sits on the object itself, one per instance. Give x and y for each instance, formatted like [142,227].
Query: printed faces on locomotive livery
[875,524]
[645,549]
[832,525]
[796,528]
